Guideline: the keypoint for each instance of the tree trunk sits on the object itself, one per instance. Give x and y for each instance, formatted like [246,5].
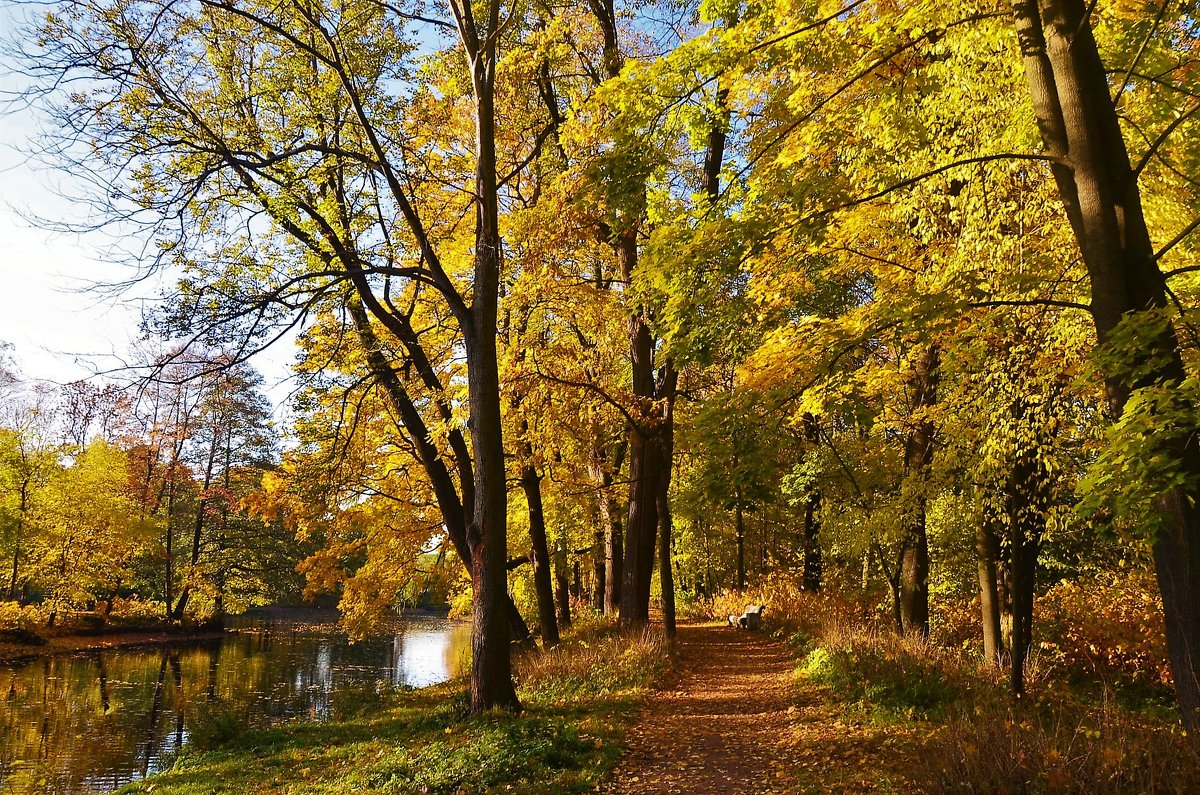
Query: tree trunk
[739,526]
[641,529]
[491,665]
[812,516]
[918,452]
[614,539]
[531,484]
[197,531]
[669,383]
[450,504]
[598,563]
[1098,187]
[16,559]
[987,549]
[562,587]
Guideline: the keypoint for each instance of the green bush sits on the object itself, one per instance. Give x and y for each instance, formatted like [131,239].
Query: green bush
[890,676]
[214,725]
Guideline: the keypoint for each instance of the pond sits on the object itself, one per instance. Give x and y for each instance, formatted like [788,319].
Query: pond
[91,721]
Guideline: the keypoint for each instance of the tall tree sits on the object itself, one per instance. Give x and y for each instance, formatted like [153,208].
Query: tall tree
[1098,184]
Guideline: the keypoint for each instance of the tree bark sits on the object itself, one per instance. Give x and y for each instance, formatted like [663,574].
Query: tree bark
[610,518]
[562,587]
[812,518]
[641,529]
[598,574]
[1099,190]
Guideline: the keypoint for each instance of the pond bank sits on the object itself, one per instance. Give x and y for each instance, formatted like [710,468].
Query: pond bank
[578,701]
[70,642]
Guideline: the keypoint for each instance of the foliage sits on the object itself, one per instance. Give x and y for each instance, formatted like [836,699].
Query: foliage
[21,621]
[1107,629]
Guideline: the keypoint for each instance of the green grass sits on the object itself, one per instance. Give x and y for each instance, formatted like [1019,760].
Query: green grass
[578,702]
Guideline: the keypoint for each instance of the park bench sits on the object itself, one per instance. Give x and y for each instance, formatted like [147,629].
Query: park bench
[750,619]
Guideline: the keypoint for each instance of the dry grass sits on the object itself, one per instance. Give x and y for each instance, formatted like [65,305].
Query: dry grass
[594,661]
[1060,746]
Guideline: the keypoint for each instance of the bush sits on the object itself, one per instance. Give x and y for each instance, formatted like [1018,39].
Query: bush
[214,725]
[134,611]
[1110,629]
[890,676]
[21,622]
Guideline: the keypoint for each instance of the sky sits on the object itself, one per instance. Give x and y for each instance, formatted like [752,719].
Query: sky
[61,328]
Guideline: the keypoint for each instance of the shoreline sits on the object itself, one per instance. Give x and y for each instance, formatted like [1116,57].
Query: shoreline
[89,640]
[75,642]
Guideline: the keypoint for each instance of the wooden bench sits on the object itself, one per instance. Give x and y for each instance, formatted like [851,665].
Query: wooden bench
[750,619]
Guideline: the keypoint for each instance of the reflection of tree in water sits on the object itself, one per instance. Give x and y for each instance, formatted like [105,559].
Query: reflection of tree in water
[95,721]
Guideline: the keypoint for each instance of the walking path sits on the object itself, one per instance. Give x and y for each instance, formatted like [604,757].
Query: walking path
[737,720]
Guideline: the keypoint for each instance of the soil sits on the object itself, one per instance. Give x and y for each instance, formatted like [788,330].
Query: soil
[737,719]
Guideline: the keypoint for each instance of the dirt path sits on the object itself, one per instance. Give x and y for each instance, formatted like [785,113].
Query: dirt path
[737,720]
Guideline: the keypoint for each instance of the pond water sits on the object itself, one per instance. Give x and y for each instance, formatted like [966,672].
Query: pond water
[91,721]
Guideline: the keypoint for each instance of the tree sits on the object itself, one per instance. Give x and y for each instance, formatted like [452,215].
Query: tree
[1145,374]
[323,163]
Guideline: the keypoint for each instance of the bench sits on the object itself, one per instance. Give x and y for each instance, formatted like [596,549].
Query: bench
[750,619]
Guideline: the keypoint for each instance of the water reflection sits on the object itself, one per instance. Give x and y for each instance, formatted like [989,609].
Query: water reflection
[91,722]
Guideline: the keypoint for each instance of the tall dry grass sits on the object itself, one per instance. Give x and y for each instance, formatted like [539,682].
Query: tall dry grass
[594,661]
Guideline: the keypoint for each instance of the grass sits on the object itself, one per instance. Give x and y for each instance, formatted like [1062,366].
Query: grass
[578,701]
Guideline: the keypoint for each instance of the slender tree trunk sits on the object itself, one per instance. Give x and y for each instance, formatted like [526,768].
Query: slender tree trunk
[914,558]
[197,530]
[598,561]
[562,583]
[739,527]
[812,543]
[1078,122]
[669,382]
[16,560]
[531,484]
[812,516]
[987,549]
[614,549]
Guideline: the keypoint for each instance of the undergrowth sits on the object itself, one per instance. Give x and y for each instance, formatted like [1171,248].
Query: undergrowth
[1073,733]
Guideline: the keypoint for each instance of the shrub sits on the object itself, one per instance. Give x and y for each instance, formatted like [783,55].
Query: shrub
[215,724]
[137,612]
[890,676]
[1110,629]
[21,622]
